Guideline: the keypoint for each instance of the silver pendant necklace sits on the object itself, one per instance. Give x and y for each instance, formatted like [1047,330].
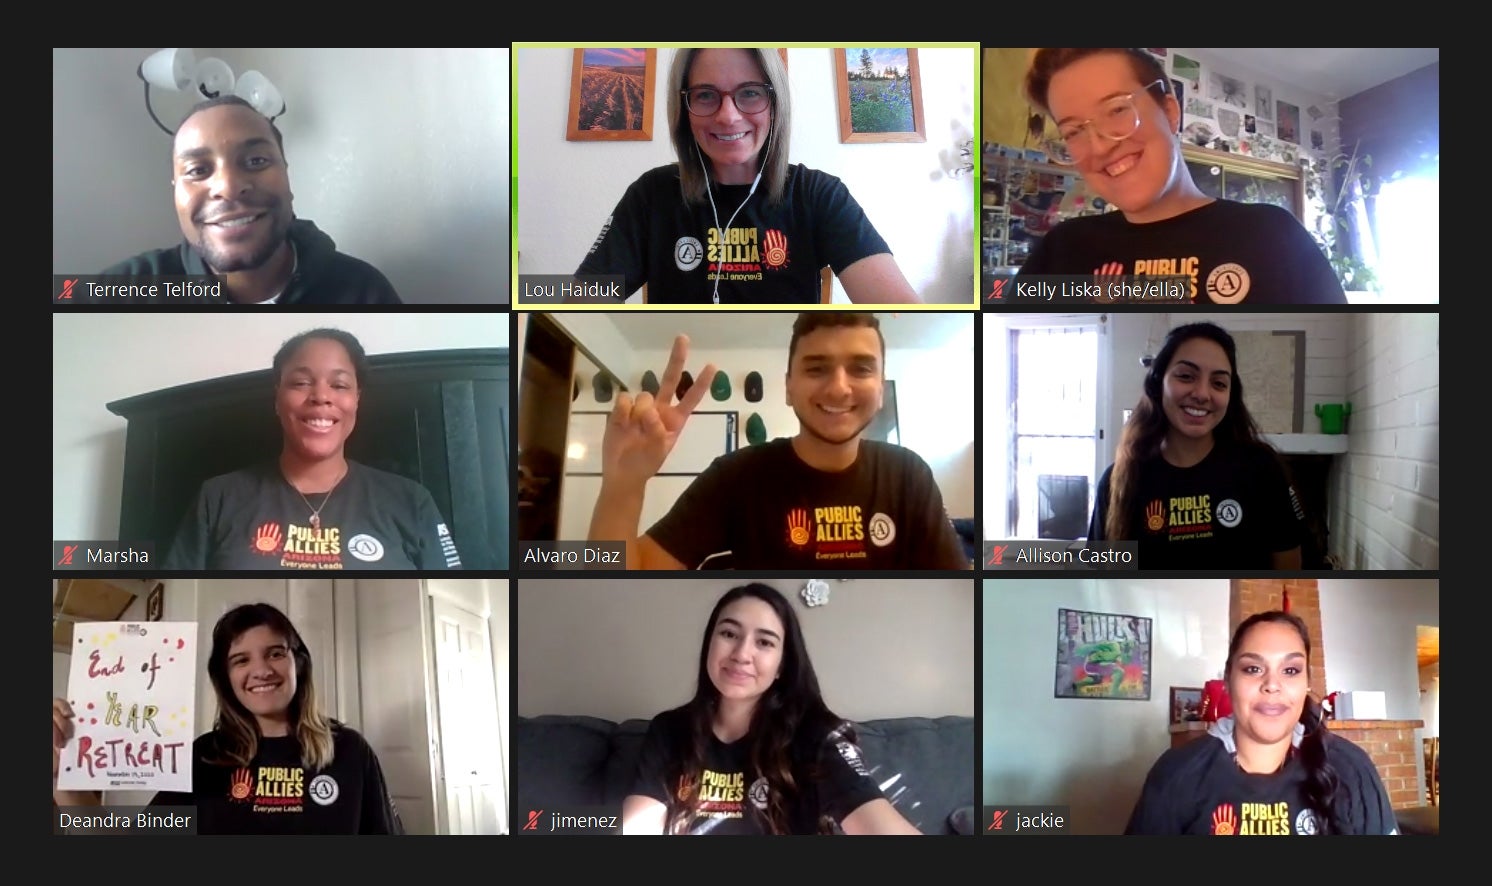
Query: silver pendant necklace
[316,511]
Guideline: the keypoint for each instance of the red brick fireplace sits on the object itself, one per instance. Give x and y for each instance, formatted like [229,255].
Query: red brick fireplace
[1391,743]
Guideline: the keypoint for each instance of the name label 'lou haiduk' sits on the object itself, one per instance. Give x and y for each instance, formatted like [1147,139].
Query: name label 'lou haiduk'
[132,687]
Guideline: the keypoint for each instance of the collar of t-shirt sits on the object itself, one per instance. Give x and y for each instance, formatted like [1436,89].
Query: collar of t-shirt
[294,266]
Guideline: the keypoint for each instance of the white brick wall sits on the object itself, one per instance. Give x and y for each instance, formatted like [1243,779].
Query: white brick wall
[1385,492]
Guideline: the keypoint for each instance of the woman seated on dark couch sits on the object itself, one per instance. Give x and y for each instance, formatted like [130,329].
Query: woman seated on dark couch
[756,751]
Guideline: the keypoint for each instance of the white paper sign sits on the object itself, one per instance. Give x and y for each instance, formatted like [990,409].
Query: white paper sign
[133,689]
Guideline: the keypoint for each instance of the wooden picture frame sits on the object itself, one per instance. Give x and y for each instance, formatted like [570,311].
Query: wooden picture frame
[155,602]
[1186,704]
[1102,655]
[865,117]
[611,95]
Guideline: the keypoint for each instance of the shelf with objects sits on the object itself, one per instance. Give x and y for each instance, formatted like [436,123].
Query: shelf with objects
[1023,196]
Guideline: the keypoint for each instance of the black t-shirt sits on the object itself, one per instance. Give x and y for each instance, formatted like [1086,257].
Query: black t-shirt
[1233,252]
[275,794]
[1231,510]
[1198,789]
[323,276]
[254,519]
[829,768]
[772,511]
[770,254]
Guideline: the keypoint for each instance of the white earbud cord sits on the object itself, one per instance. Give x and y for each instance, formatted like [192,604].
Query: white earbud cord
[715,214]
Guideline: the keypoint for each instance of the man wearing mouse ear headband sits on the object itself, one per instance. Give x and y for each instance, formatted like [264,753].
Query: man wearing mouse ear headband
[733,222]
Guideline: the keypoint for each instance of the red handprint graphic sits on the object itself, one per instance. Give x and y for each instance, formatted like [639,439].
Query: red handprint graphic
[775,255]
[267,538]
[1155,516]
[1224,823]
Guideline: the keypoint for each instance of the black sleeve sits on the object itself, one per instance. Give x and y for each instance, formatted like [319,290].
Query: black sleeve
[1315,282]
[841,228]
[1370,811]
[378,813]
[1100,506]
[622,247]
[695,527]
[939,546]
[1286,524]
[653,763]
[379,290]
[844,783]
[1155,812]
[173,798]
[433,546]
[190,548]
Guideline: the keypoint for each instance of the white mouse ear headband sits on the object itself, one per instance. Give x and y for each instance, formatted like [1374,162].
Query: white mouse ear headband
[815,593]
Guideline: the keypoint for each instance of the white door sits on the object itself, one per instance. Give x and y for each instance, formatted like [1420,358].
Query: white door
[471,758]
[395,694]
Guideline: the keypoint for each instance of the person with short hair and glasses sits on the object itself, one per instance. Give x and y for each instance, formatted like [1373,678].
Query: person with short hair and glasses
[733,222]
[1118,122]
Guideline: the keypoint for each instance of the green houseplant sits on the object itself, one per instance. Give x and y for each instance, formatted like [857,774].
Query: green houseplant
[1338,200]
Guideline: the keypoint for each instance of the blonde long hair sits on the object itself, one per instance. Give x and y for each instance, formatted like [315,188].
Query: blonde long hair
[692,173]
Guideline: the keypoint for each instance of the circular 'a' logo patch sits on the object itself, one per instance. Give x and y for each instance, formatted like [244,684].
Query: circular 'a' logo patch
[1228,284]
[688,253]
[365,548]
[1229,513]
[324,790]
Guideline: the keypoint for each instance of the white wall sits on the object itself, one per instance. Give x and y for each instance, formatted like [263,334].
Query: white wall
[103,357]
[567,189]
[1090,755]
[1386,491]
[630,648]
[401,155]
[934,394]
[1368,627]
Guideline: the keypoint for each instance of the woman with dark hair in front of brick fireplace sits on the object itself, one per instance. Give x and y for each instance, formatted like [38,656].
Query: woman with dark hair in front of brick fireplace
[1272,767]
[756,751]
[1193,480]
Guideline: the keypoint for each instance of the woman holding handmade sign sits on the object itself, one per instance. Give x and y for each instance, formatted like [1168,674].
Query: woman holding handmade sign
[273,764]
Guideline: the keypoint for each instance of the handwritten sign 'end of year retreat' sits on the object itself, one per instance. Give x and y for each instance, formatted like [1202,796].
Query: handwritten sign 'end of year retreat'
[132,688]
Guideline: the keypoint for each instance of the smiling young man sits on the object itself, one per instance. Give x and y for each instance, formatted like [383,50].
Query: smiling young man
[1118,120]
[233,203]
[825,498]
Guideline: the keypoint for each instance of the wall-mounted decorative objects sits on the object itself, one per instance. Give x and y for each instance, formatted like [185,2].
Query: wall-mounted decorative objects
[1186,704]
[1288,121]
[880,95]
[1195,107]
[1189,70]
[155,603]
[1248,124]
[815,593]
[1102,655]
[1317,142]
[1227,121]
[1263,102]
[1227,90]
[611,95]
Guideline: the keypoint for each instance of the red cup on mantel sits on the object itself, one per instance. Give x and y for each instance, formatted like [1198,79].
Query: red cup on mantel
[1215,701]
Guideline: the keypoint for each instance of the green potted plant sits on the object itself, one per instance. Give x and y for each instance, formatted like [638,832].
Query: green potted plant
[1338,211]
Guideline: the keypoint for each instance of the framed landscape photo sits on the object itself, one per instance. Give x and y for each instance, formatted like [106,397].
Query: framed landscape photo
[611,95]
[1102,655]
[880,95]
[1186,704]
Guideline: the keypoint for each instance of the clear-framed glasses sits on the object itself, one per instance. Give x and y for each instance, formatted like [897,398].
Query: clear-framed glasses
[1117,119]
[749,98]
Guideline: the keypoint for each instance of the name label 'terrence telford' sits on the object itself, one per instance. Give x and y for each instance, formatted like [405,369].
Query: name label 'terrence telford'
[574,289]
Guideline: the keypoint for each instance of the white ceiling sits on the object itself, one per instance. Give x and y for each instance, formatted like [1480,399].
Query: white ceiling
[1334,73]
[656,331]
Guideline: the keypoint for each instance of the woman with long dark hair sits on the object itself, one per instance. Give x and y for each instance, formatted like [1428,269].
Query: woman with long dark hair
[1193,480]
[1272,767]
[274,763]
[756,751]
